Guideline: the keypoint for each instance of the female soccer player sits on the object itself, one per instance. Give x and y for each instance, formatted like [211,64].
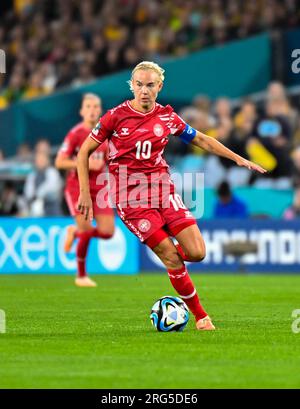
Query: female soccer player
[66,159]
[138,131]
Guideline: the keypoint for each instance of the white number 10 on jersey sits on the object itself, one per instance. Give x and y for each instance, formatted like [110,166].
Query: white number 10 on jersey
[143,149]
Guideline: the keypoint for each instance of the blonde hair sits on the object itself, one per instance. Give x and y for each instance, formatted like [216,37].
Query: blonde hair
[90,95]
[147,65]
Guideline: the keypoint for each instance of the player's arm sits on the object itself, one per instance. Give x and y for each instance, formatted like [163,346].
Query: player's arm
[217,148]
[97,162]
[84,201]
[64,162]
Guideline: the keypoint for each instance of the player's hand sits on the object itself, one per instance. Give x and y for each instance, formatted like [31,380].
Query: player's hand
[250,165]
[85,206]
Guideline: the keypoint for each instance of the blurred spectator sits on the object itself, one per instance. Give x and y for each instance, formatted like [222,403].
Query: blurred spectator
[49,76]
[43,146]
[22,7]
[237,141]
[84,75]
[276,96]
[9,201]
[272,139]
[24,153]
[216,168]
[42,188]
[66,73]
[131,57]
[35,86]
[202,103]
[246,116]
[200,120]
[14,91]
[293,212]
[228,204]
[222,111]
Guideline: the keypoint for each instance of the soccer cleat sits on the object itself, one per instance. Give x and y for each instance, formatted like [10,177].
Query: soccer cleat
[205,324]
[70,237]
[85,282]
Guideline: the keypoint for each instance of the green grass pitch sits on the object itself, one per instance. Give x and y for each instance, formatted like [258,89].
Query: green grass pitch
[60,336]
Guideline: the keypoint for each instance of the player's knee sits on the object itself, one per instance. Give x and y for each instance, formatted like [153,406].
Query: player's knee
[106,232]
[197,253]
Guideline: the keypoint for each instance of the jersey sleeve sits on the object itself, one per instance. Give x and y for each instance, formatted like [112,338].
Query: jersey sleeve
[69,144]
[178,127]
[103,129]
[101,152]
[176,124]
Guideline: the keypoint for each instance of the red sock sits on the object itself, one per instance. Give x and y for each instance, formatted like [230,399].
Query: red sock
[82,247]
[183,284]
[81,251]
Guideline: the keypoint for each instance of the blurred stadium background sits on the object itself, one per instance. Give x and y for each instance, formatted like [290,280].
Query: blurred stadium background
[232,71]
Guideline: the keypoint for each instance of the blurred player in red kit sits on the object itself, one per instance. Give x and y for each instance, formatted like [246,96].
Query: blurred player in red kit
[138,131]
[103,213]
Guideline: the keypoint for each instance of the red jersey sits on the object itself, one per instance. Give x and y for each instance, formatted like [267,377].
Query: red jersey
[70,148]
[137,140]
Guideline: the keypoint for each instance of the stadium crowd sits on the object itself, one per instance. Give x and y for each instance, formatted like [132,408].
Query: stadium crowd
[51,44]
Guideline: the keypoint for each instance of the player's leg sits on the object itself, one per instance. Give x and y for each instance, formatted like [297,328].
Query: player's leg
[83,234]
[70,198]
[82,231]
[105,226]
[182,225]
[104,217]
[70,237]
[165,249]
[103,213]
[147,225]
[191,245]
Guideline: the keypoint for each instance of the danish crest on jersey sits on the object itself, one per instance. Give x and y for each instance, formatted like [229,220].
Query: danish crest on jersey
[144,225]
[158,130]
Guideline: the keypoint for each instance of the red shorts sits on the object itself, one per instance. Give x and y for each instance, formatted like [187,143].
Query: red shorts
[144,222]
[104,207]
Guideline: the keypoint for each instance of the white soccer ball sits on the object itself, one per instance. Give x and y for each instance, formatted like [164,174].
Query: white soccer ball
[169,314]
